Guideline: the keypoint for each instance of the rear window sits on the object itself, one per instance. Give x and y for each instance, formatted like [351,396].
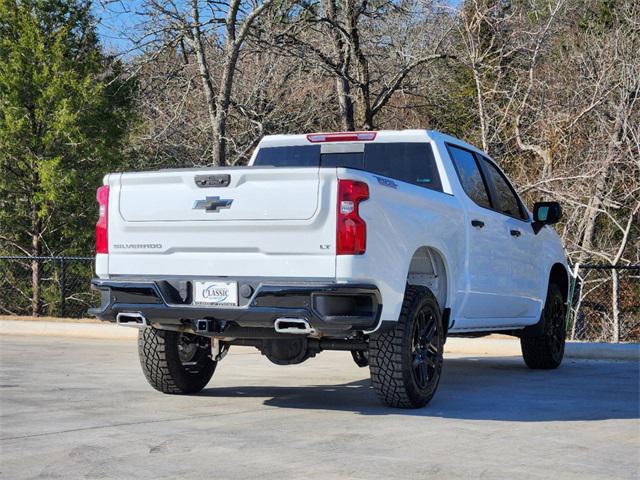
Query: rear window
[408,162]
[292,156]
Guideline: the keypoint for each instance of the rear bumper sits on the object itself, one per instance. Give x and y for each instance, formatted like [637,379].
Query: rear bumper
[328,307]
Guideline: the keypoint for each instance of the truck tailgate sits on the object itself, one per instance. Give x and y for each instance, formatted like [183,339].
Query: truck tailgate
[267,222]
[255,194]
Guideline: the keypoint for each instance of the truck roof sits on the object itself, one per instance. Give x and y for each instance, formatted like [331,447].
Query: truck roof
[414,135]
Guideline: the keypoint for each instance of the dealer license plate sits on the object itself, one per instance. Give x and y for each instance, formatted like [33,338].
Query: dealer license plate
[215,293]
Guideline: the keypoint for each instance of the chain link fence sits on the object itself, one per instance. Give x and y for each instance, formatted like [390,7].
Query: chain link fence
[62,286]
[605,306]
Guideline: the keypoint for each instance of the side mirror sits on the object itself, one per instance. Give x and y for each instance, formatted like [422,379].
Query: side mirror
[545,213]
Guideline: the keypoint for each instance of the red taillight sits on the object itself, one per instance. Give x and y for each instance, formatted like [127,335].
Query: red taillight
[342,137]
[351,230]
[102,236]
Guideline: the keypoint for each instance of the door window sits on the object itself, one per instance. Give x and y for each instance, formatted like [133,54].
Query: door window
[507,200]
[469,175]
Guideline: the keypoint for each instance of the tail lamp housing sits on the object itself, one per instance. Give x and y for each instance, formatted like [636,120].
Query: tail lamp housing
[102,235]
[351,230]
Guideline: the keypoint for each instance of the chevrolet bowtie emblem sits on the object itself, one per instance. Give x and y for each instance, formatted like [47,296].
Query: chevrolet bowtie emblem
[212,204]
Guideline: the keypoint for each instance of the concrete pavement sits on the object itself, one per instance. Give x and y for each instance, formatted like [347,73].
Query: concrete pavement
[500,345]
[80,408]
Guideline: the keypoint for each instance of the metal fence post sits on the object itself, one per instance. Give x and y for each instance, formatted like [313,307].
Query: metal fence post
[615,305]
[63,290]
[570,314]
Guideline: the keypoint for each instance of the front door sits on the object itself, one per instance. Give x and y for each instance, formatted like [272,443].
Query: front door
[525,269]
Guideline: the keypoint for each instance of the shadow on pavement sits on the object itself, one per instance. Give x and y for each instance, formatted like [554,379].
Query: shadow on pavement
[483,388]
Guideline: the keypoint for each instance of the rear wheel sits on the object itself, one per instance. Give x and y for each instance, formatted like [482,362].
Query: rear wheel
[546,351]
[406,361]
[175,362]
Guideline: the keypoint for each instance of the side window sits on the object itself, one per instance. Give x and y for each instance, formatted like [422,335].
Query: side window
[506,198]
[469,175]
[409,162]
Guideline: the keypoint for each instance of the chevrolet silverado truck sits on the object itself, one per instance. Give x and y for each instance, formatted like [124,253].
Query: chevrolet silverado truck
[380,244]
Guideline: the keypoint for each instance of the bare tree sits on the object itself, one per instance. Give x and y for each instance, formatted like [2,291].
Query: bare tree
[497,40]
[214,32]
[396,38]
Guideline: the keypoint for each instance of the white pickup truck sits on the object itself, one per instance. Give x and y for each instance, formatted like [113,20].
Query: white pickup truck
[377,243]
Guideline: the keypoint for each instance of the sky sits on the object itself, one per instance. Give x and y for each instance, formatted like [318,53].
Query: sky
[115,21]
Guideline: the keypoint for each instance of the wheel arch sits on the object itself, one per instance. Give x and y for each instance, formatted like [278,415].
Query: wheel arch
[428,268]
[559,275]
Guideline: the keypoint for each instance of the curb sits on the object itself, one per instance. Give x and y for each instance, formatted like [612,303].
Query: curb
[609,351]
[470,346]
[511,347]
[67,329]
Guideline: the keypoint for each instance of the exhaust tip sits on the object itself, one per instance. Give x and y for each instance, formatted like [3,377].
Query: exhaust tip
[129,319]
[293,325]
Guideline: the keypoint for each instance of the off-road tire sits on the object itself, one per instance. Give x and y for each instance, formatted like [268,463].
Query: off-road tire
[546,351]
[162,366]
[392,353]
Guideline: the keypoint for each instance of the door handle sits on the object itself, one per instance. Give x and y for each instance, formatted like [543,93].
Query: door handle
[477,223]
[515,233]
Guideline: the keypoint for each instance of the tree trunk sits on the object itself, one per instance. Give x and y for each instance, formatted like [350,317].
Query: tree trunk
[343,89]
[222,104]
[615,305]
[595,202]
[345,103]
[481,112]
[36,274]
[233,42]
[363,107]
[592,214]
[365,114]
[203,68]
[207,86]
[219,142]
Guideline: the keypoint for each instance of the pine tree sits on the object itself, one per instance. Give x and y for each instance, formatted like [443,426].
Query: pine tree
[63,118]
